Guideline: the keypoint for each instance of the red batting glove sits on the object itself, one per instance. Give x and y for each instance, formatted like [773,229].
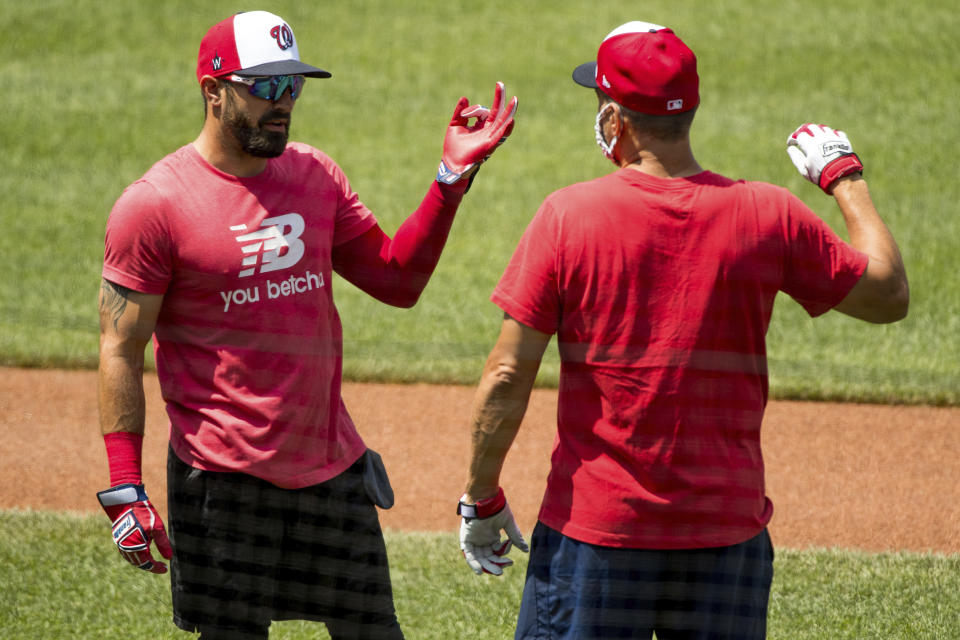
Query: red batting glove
[135,523]
[467,145]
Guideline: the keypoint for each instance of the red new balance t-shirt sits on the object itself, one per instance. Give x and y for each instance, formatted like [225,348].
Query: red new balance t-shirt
[248,343]
[660,292]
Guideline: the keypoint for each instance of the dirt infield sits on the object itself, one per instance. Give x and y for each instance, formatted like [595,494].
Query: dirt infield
[856,476]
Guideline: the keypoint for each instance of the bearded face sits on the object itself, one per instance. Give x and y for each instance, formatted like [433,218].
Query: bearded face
[257,139]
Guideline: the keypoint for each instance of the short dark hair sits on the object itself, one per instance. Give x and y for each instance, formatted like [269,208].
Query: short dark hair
[667,128]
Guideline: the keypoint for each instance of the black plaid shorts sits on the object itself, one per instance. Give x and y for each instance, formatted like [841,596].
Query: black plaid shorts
[247,552]
[579,591]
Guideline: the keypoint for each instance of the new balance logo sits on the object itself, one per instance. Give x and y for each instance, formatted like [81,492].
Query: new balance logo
[275,245]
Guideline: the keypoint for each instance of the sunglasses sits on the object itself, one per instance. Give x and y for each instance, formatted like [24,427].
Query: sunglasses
[272,87]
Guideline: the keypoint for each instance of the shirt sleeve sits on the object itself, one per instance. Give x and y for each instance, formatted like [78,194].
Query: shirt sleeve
[822,268]
[397,271]
[529,289]
[353,218]
[137,247]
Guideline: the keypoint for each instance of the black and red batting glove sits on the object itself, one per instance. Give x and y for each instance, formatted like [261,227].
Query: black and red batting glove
[135,524]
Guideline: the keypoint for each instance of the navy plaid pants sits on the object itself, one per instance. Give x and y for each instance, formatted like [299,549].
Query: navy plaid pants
[579,591]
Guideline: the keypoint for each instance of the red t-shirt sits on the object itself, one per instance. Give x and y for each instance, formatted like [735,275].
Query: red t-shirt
[660,292]
[248,342]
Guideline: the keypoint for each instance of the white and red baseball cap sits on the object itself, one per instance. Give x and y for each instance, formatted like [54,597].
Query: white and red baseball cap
[253,43]
[644,67]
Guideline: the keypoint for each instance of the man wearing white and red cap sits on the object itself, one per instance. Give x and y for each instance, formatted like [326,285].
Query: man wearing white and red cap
[223,252]
[659,281]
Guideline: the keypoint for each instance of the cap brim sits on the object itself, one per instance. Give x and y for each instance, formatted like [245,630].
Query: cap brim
[283,68]
[586,75]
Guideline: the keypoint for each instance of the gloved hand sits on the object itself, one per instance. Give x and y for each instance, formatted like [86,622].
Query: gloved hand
[467,145]
[480,528]
[822,155]
[135,523]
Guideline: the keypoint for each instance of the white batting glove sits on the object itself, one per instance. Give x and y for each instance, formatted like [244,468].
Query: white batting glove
[480,528]
[822,155]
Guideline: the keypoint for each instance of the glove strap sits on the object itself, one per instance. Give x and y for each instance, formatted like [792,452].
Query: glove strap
[446,175]
[122,494]
[838,168]
[483,508]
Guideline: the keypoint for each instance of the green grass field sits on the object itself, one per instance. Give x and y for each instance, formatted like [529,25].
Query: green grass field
[86,591]
[99,91]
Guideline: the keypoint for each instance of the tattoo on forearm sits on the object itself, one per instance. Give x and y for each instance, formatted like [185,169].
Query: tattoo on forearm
[113,300]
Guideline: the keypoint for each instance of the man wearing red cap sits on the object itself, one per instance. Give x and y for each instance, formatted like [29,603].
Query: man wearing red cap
[659,281]
[223,252]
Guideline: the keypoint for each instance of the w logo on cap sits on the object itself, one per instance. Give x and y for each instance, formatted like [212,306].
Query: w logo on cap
[283,35]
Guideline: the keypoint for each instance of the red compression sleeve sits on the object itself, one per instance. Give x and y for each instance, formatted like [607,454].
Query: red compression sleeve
[397,271]
[124,455]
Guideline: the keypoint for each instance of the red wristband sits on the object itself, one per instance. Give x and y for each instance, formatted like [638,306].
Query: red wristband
[124,455]
[836,169]
[483,508]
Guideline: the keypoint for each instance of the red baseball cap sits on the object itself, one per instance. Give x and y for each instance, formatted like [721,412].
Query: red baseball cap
[253,43]
[644,67]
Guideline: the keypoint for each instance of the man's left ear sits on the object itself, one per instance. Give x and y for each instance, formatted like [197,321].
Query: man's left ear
[617,121]
[211,90]
[612,117]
